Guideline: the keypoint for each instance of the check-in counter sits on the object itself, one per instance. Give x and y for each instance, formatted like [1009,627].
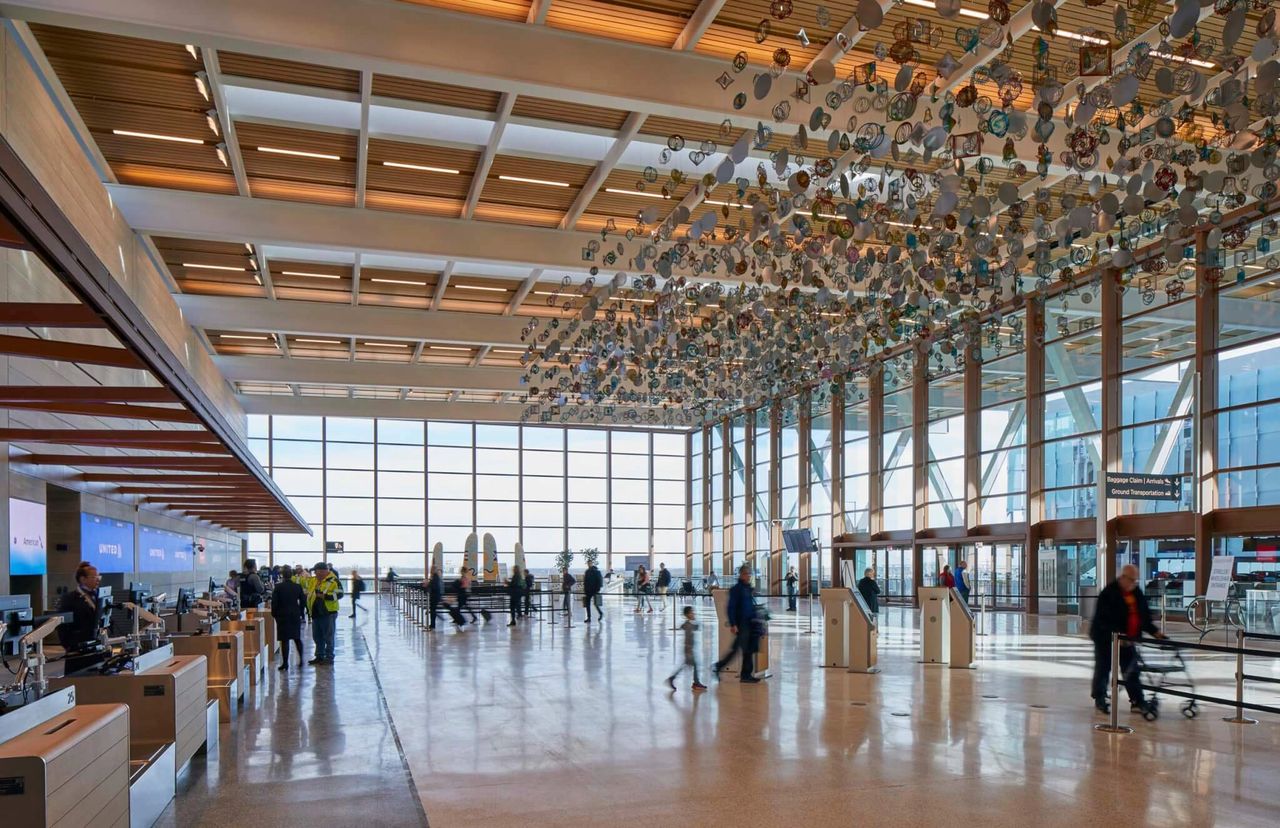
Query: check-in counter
[224,655]
[964,647]
[272,644]
[70,769]
[255,642]
[166,696]
[835,629]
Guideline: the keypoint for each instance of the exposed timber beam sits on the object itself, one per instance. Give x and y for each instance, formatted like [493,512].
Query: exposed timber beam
[90,409]
[25,346]
[127,461]
[84,393]
[48,315]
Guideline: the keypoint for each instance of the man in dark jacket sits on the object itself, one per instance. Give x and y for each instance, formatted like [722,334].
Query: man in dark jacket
[742,612]
[870,590]
[529,583]
[1122,608]
[435,594]
[592,584]
[515,594]
[664,583]
[251,589]
[288,606]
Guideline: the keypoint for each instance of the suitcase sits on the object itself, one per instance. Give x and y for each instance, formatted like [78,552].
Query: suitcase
[455,615]
[485,614]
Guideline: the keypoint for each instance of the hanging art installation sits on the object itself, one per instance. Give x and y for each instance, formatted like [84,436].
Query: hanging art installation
[901,206]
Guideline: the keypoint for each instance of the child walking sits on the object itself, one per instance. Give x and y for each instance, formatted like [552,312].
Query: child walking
[690,628]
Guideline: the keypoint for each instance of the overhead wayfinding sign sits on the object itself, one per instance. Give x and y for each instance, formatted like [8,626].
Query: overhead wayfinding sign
[1127,486]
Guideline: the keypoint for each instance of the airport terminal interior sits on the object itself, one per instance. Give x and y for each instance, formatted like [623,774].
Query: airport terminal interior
[545,412]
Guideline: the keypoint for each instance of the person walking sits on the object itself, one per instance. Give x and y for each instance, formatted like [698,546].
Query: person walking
[962,580]
[592,584]
[435,594]
[792,580]
[664,584]
[462,592]
[515,593]
[357,588]
[529,583]
[742,614]
[870,590]
[642,589]
[690,628]
[288,605]
[1123,609]
[324,612]
[566,587]
[945,578]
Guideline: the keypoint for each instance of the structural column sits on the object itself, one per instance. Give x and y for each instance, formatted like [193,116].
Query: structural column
[875,452]
[806,437]
[1033,404]
[1109,449]
[1205,420]
[919,461]
[837,465]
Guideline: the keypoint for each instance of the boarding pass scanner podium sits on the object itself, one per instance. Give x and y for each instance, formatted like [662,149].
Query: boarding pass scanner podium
[849,631]
[946,628]
[725,635]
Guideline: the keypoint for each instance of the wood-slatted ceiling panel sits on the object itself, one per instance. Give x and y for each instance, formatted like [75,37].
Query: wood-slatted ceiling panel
[126,83]
[299,178]
[229,268]
[735,27]
[230,342]
[503,358]
[470,293]
[435,183]
[384,350]
[397,288]
[502,9]
[311,282]
[518,201]
[442,94]
[319,347]
[624,206]
[545,109]
[448,354]
[289,71]
[651,22]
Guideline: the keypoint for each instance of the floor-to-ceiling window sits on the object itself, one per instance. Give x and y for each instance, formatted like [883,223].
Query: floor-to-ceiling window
[819,470]
[1072,405]
[389,490]
[697,502]
[763,457]
[1002,463]
[737,482]
[857,461]
[944,466]
[896,453]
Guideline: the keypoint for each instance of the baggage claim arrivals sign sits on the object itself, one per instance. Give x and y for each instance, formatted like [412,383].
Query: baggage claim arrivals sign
[1126,486]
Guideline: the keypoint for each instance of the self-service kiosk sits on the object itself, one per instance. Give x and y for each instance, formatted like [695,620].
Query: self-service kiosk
[963,644]
[849,630]
[935,625]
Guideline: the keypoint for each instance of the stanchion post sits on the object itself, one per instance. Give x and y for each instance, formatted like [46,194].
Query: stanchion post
[1113,724]
[1239,718]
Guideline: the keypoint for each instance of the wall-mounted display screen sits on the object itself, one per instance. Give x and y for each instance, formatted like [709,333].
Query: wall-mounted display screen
[28,529]
[163,551]
[106,543]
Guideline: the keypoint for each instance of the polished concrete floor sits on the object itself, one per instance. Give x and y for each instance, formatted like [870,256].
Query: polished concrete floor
[555,726]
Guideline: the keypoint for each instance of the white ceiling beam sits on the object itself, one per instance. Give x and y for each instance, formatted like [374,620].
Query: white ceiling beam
[215,217]
[355,278]
[522,292]
[505,103]
[264,271]
[367,373]
[538,12]
[362,142]
[480,355]
[630,128]
[1018,25]
[854,33]
[504,412]
[336,320]
[442,284]
[697,24]
[425,43]
[231,144]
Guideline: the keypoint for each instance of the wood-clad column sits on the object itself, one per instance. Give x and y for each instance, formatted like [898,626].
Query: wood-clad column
[749,490]
[1205,463]
[1033,405]
[806,439]
[1109,448]
[875,453]
[837,468]
[973,437]
[919,464]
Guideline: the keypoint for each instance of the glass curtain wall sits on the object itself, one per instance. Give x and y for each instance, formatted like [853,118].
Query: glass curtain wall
[716,516]
[1072,405]
[857,461]
[819,471]
[763,457]
[388,490]
[738,488]
[896,453]
[697,502]
[1002,462]
[945,430]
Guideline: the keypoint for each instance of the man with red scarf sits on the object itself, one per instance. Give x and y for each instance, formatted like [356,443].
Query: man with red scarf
[1122,608]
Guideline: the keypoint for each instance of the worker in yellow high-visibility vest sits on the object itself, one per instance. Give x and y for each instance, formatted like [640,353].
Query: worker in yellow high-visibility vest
[307,581]
[325,595]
